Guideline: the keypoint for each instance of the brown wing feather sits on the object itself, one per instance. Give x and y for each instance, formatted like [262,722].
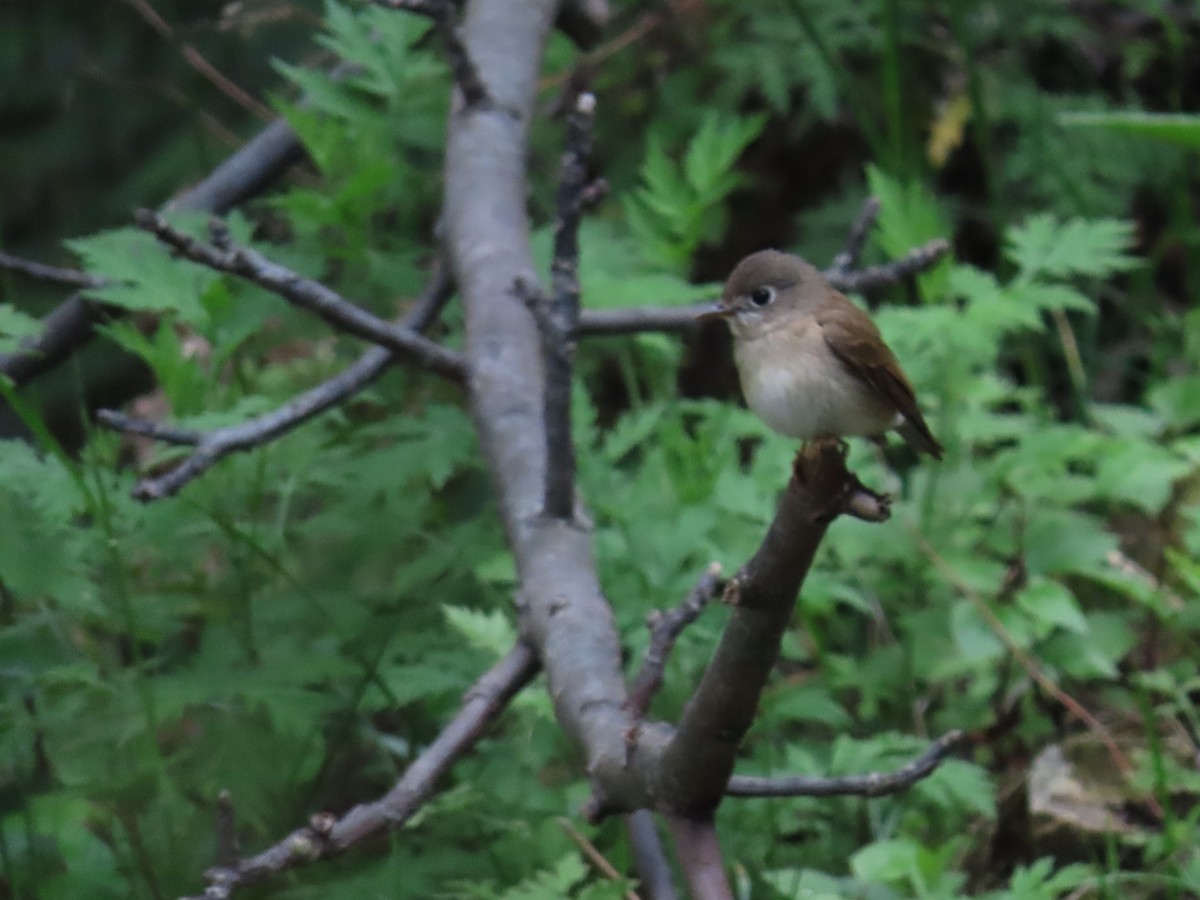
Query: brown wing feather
[855,340]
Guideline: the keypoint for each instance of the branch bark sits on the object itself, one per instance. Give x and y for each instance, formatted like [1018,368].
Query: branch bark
[563,612]
[698,759]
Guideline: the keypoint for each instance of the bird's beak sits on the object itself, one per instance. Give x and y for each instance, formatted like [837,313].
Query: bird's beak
[715,312]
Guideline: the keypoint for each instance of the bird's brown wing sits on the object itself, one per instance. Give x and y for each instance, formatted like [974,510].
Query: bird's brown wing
[854,339]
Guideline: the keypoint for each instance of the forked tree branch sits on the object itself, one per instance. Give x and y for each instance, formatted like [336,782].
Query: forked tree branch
[874,278]
[242,175]
[305,293]
[70,326]
[327,836]
[563,612]
[873,784]
[698,759]
[212,446]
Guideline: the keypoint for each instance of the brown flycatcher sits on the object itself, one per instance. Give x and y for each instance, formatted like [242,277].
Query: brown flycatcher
[812,364]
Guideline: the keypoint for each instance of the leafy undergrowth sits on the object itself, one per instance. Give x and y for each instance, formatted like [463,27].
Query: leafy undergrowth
[296,626]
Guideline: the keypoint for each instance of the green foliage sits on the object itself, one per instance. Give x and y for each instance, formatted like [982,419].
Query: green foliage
[297,626]
[678,207]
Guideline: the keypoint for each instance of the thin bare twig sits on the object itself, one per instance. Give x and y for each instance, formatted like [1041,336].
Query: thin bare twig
[558,316]
[595,856]
[212,446]
[197,61]
[443,15]
[873,784]
[857,239]
[665,629]
[43,272]
[226,829]
[326,836]
[873,278]
[638,319]
[305,293]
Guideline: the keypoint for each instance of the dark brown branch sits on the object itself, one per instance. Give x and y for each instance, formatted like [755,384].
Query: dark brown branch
[655,881]
[699,854]
[558,316]
[562,609]
[698,759]
[443,15]
[873,278]
[212,446]
[327,836]
[43,272]
[857,239]
[306,294]
[874,784]
[665,629]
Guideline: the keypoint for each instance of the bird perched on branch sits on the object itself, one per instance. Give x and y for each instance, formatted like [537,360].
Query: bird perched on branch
[812,364]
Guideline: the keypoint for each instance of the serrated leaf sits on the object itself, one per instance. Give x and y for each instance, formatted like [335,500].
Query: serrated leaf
[142,275]
[15,325]
[714,150]
[1045,246]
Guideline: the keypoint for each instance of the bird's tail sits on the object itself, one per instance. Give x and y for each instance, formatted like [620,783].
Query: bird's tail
[918,436]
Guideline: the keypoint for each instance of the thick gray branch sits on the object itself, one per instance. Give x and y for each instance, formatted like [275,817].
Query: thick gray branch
[563,611]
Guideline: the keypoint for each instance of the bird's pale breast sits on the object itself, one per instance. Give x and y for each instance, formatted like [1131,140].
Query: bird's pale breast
[794,383]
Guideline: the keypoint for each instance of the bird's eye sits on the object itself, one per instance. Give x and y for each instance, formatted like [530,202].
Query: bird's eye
[762,296]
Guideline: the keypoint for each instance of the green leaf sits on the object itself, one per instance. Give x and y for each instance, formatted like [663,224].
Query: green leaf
[891,862]
[1045,246]
[1051,602]
[143,274]
[973,636]
[909,215]
[715,149]
[15,325]
[1058,541]
[1183,130]
[489,631]
[1178,400]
